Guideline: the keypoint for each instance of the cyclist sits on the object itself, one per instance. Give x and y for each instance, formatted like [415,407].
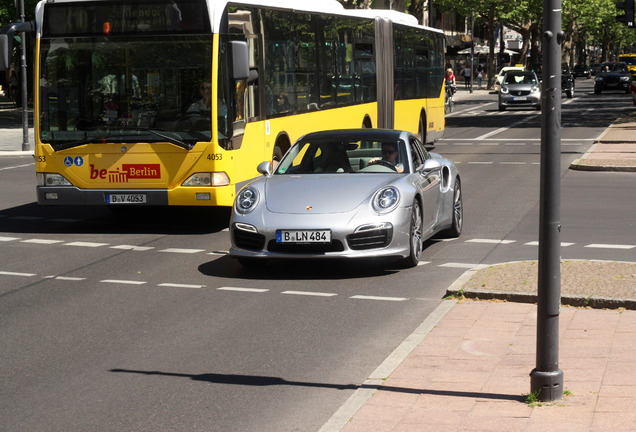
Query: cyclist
[451,88]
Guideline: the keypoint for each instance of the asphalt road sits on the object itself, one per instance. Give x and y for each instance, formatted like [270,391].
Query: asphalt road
[139,321]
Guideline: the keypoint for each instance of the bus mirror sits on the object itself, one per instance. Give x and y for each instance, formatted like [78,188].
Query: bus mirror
[5,58]
[240,60]
[6,41]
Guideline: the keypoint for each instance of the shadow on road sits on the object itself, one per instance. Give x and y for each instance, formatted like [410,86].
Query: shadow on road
[260,381]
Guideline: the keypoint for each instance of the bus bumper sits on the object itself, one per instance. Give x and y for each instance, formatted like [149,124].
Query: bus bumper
[71,195]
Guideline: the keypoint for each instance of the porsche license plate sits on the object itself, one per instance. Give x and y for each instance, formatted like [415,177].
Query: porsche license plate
[303,236]
[125,198]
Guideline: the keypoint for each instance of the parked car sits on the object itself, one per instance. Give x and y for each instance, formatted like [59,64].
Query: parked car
[519,88]
[613,76]
[581,70]
[595,68]
[502,72]
[567,80]
[346,194]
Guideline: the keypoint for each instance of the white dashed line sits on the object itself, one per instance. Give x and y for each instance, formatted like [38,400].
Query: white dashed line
[7,273]
[182,251]
[8,239]
[239,289]
[123,282]
[42,241]
[392,299]
[86,244]
[131,247]
[174,285]
[536,243]
[490,241]
[421,263]
[610,246]
[69,278]
[309,293]
[464,265]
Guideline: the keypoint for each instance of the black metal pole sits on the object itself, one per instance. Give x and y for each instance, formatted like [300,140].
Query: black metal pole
[472,49]
[546,380]
[23,73]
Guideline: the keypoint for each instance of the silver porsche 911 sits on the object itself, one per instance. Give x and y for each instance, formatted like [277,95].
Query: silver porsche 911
[348,193]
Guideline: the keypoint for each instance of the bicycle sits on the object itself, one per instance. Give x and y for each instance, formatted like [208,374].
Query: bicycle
[449,100]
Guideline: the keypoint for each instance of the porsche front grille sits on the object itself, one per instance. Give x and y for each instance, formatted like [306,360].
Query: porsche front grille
[369,239]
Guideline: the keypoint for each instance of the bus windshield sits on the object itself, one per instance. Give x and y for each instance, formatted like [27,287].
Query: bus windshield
[126,89]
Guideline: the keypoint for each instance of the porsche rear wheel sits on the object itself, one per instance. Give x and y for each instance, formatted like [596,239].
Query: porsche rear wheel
[416,242]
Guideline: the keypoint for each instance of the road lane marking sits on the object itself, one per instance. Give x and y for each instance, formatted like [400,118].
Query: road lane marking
[42,241]
[175,285]
[66,278]
[464,265]
[86,244]
[239,289]
[310,293]
[16,166]
[504,129]
[8,239]
[377,298]
[8,273]
[183,251]
[421,263]
[131,247]
[123,282]
[610,246]
[536,243]
[490,241]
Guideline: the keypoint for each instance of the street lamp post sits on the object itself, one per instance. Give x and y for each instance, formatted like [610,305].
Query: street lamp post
[23,77]
[546,379]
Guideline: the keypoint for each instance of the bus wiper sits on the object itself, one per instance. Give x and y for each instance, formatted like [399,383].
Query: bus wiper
[102,138]
[77,143]
[159,133]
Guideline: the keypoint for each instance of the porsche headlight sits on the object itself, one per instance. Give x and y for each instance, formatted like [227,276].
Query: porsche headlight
[386,200]
[246,200]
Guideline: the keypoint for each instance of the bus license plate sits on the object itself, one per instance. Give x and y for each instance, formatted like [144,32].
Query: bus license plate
[125,198]
[303,236]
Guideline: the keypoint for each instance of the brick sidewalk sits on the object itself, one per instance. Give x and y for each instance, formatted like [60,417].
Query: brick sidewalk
[471,373]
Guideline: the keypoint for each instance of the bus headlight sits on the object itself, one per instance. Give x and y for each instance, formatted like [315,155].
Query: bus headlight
[207,179]
[52,179]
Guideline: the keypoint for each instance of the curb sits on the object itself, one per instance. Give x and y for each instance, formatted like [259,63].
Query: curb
[456,291]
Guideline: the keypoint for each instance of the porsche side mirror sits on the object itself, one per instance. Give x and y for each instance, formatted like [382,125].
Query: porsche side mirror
[265,168]
[431,165]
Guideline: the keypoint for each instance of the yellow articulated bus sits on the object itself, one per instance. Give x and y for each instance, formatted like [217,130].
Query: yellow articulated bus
[630,59]
[176,102]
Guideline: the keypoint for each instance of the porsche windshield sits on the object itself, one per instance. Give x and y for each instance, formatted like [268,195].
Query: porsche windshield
[345,156]
[125,89]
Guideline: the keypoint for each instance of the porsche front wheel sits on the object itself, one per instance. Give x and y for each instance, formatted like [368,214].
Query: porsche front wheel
[416,242]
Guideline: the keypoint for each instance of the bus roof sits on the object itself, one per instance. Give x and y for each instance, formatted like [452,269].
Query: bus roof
[217,7]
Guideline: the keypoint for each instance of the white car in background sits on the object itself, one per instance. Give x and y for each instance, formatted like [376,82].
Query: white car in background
[501,74]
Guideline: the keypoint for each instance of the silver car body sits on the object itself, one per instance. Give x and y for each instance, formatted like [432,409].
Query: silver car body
[303,197]
[520,88]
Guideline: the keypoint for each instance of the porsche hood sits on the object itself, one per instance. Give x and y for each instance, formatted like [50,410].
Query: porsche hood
[321,193]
